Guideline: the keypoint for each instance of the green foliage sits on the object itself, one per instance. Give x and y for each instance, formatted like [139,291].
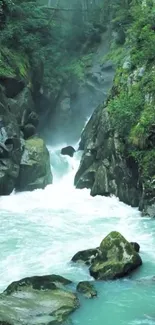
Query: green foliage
[125,110]
[145,160]
[13,63]
[141,35]
[78,67]
[140,133]
[34,37]
[131,104]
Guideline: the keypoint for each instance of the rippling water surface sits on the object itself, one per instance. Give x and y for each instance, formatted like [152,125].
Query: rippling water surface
[41,230]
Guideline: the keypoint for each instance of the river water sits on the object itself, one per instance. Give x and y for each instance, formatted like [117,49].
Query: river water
[43,229]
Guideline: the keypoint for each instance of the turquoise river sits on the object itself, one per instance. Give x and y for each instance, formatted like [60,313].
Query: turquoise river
[43,229]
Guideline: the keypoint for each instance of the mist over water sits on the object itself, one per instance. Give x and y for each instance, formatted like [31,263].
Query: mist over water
[43,229]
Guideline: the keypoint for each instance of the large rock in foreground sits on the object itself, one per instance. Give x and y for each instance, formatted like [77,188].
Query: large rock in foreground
[37,300]
[35,171]
[115,258]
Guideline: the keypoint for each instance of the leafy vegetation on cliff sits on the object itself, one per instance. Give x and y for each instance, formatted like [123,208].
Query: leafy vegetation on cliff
[37,42]
[132,101]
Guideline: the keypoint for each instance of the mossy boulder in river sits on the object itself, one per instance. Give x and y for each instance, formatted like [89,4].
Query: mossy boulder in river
[87,289]
[35,171]
[115,258]
[37,300]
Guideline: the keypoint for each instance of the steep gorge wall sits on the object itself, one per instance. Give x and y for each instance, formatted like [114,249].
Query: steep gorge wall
[119,139]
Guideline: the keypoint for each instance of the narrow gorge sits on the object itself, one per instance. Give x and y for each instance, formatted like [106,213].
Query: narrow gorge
[77,149]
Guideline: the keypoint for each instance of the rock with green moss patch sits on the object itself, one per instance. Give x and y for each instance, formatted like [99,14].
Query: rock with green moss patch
[117,259]
[86,288]
[37,300]
[35,171]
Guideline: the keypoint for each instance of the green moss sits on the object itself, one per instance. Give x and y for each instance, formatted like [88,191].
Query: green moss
[121,258]
[78,66]
[13,64]
[140,133]
[125,109]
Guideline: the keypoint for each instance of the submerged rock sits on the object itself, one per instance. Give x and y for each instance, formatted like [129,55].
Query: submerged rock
[115,258]
[87,289]
[35,171]
[37,300]
[68,151]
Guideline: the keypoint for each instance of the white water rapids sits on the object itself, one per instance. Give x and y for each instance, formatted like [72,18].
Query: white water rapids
[43,229]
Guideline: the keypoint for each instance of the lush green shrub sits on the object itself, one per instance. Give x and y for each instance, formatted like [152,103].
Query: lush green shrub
[125,110]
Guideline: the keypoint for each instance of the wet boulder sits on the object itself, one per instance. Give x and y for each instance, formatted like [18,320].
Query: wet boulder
[68,151]
[35,171]
[85,256]
[37,300]
[118,258]
[113,259]
[87,289]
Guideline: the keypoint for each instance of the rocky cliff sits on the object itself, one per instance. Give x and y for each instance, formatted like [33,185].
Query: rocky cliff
[19,84]
[118,142]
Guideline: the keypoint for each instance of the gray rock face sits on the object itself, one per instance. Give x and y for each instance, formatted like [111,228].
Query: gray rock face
[22,105]
[16,109]
[10,148]
[103,168]
[35,171]
[37,300]
[115,258]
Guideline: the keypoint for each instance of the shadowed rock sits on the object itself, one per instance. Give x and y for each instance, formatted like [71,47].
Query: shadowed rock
[68,151]
[85,256]
[136,246]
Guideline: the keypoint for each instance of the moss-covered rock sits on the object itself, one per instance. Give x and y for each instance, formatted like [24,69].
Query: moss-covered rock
[117,259]
[87,289]
[37,300]
[45,282]
[35,171]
